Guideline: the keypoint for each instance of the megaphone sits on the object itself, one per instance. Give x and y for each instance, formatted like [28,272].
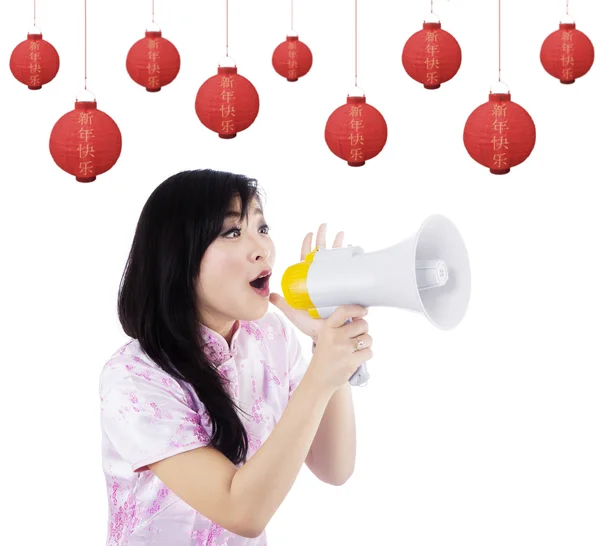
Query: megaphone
[427,273]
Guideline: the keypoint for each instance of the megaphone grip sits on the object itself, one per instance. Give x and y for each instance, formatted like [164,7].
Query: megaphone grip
[360,377]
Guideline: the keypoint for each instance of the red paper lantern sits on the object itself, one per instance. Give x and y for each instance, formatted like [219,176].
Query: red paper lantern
[85,142]
[153,61]
[227,103]
[567,53]
[292,59]
[356,131]
[499,134]
[431,56]
[34,62]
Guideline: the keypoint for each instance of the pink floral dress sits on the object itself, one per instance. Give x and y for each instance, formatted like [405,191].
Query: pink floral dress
[146,416]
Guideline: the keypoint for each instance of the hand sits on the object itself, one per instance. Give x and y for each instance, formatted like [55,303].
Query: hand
[342,347]
[300,318]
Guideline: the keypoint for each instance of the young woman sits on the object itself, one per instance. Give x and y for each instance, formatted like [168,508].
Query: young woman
[210,410]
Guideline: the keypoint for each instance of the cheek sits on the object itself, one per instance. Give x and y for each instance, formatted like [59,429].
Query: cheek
[216,268]
[273,252]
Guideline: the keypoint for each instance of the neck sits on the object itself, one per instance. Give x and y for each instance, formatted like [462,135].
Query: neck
[224,327]
[227,332]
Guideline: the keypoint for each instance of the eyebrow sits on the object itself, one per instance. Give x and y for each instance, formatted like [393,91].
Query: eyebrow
[236,213]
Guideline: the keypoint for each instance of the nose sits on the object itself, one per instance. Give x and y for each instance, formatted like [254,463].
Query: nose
[260,251]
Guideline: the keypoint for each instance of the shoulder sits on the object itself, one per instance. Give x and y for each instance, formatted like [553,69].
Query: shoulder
[130,369]
[128,361]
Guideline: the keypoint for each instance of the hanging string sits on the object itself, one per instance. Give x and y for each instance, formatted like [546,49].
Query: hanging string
[431,6]
[567,7]
[226,28]
[292,14]
[152,11]
[499,44]
[85,43]
[35,15]
[355,43]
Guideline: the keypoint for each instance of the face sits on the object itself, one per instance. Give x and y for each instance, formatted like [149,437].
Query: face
[234,274]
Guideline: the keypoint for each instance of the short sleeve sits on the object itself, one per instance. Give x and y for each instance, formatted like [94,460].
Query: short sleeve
[297,364]
[146,415]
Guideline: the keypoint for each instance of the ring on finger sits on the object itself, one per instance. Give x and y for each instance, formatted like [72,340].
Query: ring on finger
[360,344]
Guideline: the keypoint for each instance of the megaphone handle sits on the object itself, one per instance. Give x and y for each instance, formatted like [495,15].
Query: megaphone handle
[361,376]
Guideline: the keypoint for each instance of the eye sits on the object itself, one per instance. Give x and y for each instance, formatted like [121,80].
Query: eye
[264,229]
[234,232]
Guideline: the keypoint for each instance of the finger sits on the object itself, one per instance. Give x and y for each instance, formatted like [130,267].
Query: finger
[360,344]
[345,312]
[366,339]
[322,236]
[356,328]
[339,240]
[306,246]
[364,355]
[280,302]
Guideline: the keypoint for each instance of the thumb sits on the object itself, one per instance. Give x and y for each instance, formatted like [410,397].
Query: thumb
[280,303]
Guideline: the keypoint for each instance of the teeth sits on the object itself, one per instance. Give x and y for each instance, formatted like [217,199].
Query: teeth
[260,278]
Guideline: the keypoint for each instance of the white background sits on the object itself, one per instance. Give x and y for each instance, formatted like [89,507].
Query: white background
[485,435]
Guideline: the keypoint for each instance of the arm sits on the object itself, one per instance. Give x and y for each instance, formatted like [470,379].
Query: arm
[333,452]
[244,500]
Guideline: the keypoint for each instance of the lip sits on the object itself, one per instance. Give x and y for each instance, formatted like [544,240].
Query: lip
[265,290]
[265,273]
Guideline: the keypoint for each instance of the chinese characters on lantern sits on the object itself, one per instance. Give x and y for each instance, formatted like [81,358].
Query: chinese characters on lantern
[35,68]
[292,61]
[227,108]
[432,61]
[499,140]
[153,64]
[86,148]
[567,58]
[356,136]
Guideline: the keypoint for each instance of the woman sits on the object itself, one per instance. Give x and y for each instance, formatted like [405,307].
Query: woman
[209,412]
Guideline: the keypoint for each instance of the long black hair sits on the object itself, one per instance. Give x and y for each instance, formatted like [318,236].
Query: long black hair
[157,302]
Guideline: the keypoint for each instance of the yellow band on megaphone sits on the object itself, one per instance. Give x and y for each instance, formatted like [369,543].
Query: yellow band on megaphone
[314,313]
[294,284]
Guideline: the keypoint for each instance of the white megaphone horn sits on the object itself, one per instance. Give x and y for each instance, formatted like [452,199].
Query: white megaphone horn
[428,273]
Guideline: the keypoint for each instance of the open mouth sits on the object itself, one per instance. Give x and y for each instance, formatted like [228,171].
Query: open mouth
[261,283]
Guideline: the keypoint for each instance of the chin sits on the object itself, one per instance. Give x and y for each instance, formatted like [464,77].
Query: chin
[257,312]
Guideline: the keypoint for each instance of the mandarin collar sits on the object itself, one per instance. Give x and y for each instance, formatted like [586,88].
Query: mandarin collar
[215,347]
